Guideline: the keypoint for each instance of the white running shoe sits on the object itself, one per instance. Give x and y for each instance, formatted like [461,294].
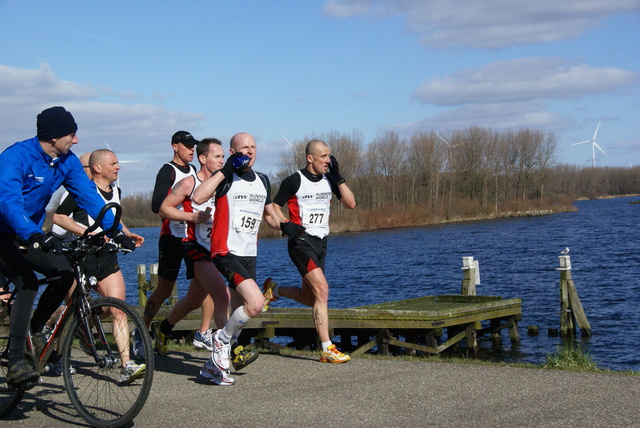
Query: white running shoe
[212,372]
[203,340]
[56,368]
[221,352]
[131,372]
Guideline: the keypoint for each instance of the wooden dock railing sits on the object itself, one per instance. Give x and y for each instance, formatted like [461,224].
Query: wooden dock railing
[150,285]
[571,311]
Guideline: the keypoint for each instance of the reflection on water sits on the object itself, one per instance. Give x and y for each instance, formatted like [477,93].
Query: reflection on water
[518,258]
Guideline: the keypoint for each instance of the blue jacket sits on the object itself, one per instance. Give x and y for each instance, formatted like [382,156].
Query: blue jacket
[28,178]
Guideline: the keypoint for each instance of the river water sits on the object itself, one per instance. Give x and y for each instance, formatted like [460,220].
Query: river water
[518,257]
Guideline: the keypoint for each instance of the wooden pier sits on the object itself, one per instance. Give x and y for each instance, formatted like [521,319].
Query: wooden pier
[429,324]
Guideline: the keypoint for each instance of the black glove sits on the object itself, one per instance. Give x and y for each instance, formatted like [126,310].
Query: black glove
[123,240]
[45,243]
[291,229]
[235,162]
[334,172]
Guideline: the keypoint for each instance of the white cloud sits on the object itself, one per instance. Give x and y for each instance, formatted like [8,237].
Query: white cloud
[487,23]
[513,115]
[135,132]
[524,79]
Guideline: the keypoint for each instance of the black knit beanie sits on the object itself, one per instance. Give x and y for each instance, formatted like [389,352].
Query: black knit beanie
[55,122]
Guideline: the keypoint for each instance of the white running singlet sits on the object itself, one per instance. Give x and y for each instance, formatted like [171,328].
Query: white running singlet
[174,227]
[200,233]
[68,236]
[238,217]
[311,206]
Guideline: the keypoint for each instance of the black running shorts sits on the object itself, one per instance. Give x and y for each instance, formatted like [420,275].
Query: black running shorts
[170,255]
[235,268]
[194,252]
[107,265]
[307,252]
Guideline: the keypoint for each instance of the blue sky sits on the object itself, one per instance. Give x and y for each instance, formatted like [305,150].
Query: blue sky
[133,73]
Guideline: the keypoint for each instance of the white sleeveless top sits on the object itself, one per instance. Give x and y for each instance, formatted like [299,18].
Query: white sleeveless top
[238,217]
[314,205]
[178,228]
[68,236]
[200,233]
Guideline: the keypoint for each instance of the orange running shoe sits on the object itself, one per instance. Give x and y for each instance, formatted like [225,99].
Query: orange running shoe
[269,285]
[332,355]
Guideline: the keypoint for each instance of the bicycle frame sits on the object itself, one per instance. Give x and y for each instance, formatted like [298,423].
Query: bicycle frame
[79,303]
[83,308]
[106,389]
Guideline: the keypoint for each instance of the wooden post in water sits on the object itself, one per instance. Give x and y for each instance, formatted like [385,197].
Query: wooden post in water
[173,299]
[471,278]
[143,284]
[571,311]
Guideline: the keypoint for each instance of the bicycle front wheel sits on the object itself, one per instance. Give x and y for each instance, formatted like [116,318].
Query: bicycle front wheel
[104,389]
[9,397]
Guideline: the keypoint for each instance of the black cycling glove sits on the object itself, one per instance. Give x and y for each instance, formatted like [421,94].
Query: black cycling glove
[45,242]
[123,240]
[291,229]
[235,162]
[334,172]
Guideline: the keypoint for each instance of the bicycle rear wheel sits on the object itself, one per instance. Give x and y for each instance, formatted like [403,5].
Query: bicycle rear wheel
[9,398]
[97,390]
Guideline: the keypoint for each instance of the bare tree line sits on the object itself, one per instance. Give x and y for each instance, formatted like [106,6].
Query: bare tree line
[475,172]
[429,178]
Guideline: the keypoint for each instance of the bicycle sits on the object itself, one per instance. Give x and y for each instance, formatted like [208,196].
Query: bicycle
[88,342]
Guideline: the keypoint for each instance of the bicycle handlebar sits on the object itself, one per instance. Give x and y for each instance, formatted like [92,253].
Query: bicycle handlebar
[87,243]
[98,221]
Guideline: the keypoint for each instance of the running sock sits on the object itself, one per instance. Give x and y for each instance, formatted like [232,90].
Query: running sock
[166,327]
[236,323]
[325,346]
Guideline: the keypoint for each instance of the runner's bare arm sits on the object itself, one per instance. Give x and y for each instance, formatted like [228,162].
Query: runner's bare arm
[278,210]
[180,192]
[348,199]
[207,189]
[67,223]
[272,218]
[139,240]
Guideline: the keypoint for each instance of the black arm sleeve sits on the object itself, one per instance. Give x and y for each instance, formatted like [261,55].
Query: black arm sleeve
[164,181]
[288,188]
[267,185]
[67,206]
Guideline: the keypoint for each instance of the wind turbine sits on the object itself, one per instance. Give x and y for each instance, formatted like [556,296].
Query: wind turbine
[119,161]
[443,140]
[446,142]
[285,139]
[449,147]
[447,165]
[593,146]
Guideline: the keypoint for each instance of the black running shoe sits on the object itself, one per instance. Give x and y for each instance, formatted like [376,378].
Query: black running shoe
[21,374]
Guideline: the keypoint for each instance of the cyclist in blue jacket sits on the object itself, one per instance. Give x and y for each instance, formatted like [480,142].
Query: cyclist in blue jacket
[32,170]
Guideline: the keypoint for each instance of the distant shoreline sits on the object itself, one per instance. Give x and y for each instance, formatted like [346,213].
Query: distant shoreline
[360,220]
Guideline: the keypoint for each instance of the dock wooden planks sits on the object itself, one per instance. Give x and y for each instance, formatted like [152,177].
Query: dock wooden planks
[416,323]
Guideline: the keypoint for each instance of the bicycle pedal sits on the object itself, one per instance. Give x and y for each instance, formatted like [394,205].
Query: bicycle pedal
[29,385]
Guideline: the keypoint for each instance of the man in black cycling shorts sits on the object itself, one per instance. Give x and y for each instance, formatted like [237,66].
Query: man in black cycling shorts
[307,193]
[32,170]
[70,222]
